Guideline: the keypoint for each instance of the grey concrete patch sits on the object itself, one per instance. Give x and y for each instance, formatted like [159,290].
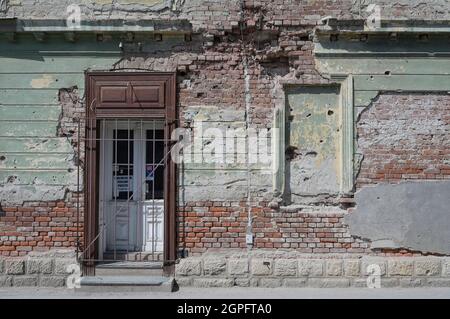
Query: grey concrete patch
[411,215]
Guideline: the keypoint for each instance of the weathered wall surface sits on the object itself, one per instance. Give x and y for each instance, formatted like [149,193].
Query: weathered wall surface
[404,136]
[401,147]
[280,268]
[405,9]
[313,143]
[231,73]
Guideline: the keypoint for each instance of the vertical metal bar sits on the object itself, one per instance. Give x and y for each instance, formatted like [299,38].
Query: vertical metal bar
[103,177]
[128,188]
[153,191]
[141,206]
[116,192]
[78,189]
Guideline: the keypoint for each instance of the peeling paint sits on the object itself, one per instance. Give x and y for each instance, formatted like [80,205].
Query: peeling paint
[42,82]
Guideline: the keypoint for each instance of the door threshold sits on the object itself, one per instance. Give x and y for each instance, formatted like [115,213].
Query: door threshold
[133,256]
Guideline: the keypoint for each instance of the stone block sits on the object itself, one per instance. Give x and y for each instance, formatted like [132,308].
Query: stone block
[242,282]
[5,281]
[189,267]
[411,282]
[25,281]
[366,262]
[238,267]
[39,266]
[389,282]
[328,282]
[295,282]
[310,267]
[261,267]
[334,267]
[213,282]
[400,267]
[446,267]
[352,268]
[15,267]
[214,266]
[270,282]
[52,281]
[286,267]
[61,265]
[359,283]
[437,282]
[184,281]
[428,267]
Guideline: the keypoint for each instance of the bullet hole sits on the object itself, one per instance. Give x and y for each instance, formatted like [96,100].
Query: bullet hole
[387,73]
[312,154]
[321,141]
[424,37]
[291,152]
[2,158]
[306,179]
[11,179]
[308,115]
[371,77]
[200,94]
[330,112]
[157,37]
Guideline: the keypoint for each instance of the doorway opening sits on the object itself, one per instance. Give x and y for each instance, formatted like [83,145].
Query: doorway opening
[129,176]
[131,184]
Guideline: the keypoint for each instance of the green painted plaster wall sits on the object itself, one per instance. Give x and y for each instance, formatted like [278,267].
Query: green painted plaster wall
[35,162]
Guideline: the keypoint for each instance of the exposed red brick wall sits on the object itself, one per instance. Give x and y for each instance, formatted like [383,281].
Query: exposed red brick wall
[405,137]
[212,225]
[39,226]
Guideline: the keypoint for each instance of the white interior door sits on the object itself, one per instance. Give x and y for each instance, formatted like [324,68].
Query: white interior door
[132,204]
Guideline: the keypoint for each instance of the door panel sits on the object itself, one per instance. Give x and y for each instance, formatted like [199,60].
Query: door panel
[133,183]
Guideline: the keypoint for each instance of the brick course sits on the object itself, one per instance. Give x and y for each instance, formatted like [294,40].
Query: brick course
[405,137]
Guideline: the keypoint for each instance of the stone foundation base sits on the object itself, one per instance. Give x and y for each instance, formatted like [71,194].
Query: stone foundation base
[289,269]
[47,269]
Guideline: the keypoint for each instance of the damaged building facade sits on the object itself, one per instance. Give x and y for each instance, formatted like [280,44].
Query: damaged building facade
[353,99]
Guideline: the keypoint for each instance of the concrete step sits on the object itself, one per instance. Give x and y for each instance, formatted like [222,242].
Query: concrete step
[125,268]
[127,284]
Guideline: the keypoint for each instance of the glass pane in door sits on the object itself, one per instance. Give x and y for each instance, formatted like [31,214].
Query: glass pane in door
[123,151]
[154,168]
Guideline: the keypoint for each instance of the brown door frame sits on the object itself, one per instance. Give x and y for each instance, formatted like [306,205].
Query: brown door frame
[95,111]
